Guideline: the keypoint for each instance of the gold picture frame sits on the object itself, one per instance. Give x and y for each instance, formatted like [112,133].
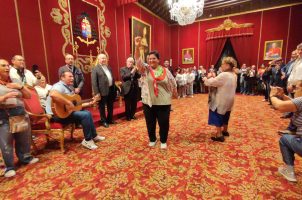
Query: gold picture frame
[142,29]
[273,49]
[187,56]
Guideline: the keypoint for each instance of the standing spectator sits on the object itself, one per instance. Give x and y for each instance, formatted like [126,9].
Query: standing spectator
[243,73]
[190,81]
[202,73]
[19,73]
[78,81]
[130,76]
[11,103]
[103,84]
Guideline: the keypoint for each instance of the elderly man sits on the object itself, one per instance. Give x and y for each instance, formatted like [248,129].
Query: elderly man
[130,76]
[103,84]
[78,81]
[84,117]
[19,73]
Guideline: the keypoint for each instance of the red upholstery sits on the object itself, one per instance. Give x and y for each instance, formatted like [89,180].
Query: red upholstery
[33,104]
[39,120]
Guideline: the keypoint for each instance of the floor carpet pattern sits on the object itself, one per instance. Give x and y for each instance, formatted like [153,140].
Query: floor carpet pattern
[193,167]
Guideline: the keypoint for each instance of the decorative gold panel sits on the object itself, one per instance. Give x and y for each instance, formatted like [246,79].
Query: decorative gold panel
[228,24]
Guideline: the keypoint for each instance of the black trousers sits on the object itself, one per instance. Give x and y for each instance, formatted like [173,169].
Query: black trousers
[107,101]
[131,102]
[160,114]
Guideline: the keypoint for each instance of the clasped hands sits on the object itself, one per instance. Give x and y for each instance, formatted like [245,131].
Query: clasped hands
[276,92]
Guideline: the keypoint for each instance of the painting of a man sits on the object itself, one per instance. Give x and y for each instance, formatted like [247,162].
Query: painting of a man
[187,56]
[273,50]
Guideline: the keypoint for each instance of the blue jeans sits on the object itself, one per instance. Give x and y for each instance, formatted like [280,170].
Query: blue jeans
[82,117]
[22,143]
[289,145]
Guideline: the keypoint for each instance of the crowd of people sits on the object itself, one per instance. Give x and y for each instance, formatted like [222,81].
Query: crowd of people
[157,85]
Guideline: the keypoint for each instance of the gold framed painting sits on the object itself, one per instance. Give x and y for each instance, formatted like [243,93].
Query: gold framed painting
[142,29]
[273,49]
[187,56]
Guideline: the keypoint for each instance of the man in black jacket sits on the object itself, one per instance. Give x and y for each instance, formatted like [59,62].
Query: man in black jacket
[102,82]
[130,76]
[78,81]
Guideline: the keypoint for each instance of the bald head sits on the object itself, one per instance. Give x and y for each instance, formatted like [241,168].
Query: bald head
[102,58]
[69,59]
[18,62]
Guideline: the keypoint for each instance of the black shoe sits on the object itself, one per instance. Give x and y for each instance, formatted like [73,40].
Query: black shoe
[128,119]
[225,133]
[112,122]
[133,117]
[105,124]
[218,139]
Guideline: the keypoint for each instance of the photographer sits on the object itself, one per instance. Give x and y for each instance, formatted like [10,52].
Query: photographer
[289,144]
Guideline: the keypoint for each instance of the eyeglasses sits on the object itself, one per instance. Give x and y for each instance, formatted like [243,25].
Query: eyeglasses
[4,65]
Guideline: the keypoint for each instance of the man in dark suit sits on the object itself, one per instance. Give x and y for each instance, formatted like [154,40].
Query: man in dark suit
[130,76]
[78,81]
[103,83]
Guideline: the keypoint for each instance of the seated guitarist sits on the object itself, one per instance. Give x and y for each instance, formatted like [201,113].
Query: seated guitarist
[83,117]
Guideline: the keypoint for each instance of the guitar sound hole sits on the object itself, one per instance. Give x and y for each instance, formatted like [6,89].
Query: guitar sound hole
[74,103]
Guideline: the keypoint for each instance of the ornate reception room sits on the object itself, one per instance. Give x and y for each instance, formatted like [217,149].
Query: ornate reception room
[150,99]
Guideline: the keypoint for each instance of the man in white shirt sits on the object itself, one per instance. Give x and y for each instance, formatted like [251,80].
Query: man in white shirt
[18,72]
[102,82]
[296,73]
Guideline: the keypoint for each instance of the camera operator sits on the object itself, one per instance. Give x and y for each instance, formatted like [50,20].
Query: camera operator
[289,144]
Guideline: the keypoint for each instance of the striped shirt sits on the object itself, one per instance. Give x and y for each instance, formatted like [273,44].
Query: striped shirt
[297,118]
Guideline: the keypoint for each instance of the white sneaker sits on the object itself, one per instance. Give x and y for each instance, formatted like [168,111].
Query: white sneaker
[89,144]
[33,161]
[288,174]
[10,173]
[98,138]
[163,145]
[152,144]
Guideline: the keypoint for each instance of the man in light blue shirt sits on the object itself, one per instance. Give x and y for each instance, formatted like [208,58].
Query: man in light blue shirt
[84,117]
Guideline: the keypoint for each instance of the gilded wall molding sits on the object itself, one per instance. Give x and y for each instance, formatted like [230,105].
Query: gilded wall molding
[62,17]
[227,25]
[65,16]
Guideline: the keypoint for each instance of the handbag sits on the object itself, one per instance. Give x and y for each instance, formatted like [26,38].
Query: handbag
[18,124]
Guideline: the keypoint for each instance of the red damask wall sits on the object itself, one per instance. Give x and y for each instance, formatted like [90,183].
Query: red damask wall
[29,29]
[277,24]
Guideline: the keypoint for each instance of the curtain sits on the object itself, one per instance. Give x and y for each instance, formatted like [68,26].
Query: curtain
[243,47]
[213,50]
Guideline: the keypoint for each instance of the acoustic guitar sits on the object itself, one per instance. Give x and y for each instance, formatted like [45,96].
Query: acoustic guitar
[60,110]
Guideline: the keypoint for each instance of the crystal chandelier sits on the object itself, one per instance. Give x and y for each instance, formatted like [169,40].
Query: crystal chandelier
[185,11]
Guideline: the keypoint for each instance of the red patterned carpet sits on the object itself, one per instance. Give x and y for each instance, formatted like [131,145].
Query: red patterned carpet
[193,167]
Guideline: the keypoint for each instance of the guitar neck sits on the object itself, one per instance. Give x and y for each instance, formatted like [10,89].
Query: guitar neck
[84,101]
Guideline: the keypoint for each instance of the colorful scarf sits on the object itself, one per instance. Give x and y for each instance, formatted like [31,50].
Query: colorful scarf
[158,75]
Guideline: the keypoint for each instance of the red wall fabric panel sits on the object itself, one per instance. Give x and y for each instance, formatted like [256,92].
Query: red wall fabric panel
[274,27]
[295,33]
[9,38]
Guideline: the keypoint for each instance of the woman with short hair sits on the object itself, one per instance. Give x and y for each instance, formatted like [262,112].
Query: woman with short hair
[221,97]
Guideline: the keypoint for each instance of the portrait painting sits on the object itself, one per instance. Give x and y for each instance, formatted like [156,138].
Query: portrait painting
[143,30]
[187,56]
[273,49]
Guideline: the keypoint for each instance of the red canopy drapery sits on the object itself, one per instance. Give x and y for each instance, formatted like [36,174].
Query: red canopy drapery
[123,2]
[240,36]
